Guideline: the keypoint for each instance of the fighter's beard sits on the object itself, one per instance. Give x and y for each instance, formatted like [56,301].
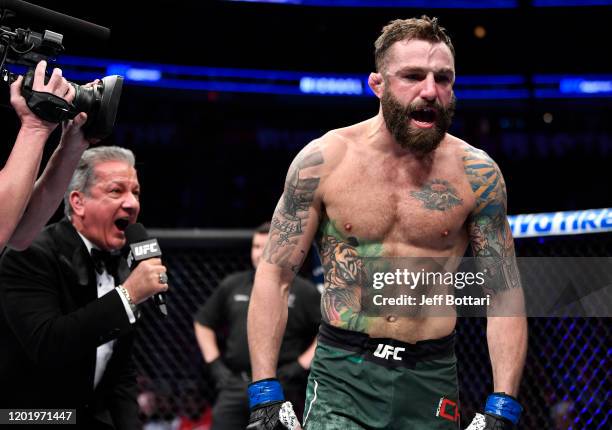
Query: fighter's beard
[421,141]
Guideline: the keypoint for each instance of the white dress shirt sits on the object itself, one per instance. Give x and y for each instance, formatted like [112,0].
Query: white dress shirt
[105,284]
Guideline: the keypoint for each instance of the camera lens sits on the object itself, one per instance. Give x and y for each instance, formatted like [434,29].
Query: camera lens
[100,102]
[86,99]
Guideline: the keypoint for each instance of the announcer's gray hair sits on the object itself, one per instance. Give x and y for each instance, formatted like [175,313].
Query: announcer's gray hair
[84,175]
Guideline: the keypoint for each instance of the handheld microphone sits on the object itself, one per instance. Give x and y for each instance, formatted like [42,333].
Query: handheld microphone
[141,247]
[56,18]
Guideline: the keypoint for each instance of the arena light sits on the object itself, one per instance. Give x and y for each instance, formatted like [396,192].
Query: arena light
[585,86]
[134,73]
[561,223]
[430,4]
[572,86]
[287,82]
[568,3]
[325,85]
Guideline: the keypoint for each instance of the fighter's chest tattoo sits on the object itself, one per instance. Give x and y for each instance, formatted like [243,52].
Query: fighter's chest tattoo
[438,195]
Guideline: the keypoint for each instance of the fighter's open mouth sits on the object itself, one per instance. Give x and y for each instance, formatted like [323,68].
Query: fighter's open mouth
[424,115]
[122,223]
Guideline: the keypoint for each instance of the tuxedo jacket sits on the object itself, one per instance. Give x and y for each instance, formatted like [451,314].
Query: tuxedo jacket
[51,322]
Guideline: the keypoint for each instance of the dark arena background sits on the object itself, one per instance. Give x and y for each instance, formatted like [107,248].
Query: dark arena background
[221,95]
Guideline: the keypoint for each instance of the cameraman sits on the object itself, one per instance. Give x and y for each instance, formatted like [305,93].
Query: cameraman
[27,203]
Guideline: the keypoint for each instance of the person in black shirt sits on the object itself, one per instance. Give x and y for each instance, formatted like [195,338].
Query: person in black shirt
[231,368]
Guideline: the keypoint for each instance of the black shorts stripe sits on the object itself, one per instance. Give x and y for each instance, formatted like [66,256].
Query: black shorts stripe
[397,353]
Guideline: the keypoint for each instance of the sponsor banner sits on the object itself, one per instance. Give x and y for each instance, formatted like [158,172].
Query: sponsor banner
[561,223]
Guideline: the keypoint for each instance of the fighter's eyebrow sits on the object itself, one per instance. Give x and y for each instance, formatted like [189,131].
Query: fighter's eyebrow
[445,71]
[421,70]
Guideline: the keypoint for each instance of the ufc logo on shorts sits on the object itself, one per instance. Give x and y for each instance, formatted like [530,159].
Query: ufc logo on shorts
[386,351]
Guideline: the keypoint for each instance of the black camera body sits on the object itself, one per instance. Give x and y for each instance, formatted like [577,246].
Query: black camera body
[27,48]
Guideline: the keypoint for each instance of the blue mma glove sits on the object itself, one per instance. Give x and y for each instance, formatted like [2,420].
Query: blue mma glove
[502,412]
[269,411]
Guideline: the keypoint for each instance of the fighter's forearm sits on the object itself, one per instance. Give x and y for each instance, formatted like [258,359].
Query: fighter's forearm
[507,339]
[266,323]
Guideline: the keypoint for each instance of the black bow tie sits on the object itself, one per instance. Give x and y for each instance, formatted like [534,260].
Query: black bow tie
[105,260]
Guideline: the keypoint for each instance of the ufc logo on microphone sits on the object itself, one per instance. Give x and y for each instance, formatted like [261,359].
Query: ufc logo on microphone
[143,250]
[147,248]
[386,351]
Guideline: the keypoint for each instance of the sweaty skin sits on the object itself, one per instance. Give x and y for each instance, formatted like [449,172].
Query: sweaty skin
[396,206]
[358,193]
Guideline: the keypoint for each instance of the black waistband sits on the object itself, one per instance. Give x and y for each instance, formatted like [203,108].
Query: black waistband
[387,351]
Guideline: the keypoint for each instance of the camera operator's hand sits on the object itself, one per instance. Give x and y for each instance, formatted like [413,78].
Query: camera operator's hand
[72,133]
[145,280]
[56,85]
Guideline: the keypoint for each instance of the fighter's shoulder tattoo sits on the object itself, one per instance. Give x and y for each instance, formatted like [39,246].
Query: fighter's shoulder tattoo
[293,209]
[488,228]
[485,179]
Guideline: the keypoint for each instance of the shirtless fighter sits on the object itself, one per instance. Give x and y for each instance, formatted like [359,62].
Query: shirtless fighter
[395,185]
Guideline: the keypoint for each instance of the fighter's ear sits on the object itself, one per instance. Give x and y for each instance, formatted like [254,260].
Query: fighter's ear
[76,201]
[376,83]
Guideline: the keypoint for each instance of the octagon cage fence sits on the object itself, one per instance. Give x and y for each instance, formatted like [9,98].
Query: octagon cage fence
[566,381]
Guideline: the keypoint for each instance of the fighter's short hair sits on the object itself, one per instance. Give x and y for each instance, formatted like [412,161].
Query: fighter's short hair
[423,28]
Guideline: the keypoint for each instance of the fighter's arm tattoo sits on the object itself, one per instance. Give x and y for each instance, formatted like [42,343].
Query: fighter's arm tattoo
[489,231]
[287,244]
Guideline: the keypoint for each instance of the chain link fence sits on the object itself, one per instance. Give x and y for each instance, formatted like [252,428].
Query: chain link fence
[566,382]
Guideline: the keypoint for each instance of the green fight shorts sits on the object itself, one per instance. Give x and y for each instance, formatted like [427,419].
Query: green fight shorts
[357,382]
